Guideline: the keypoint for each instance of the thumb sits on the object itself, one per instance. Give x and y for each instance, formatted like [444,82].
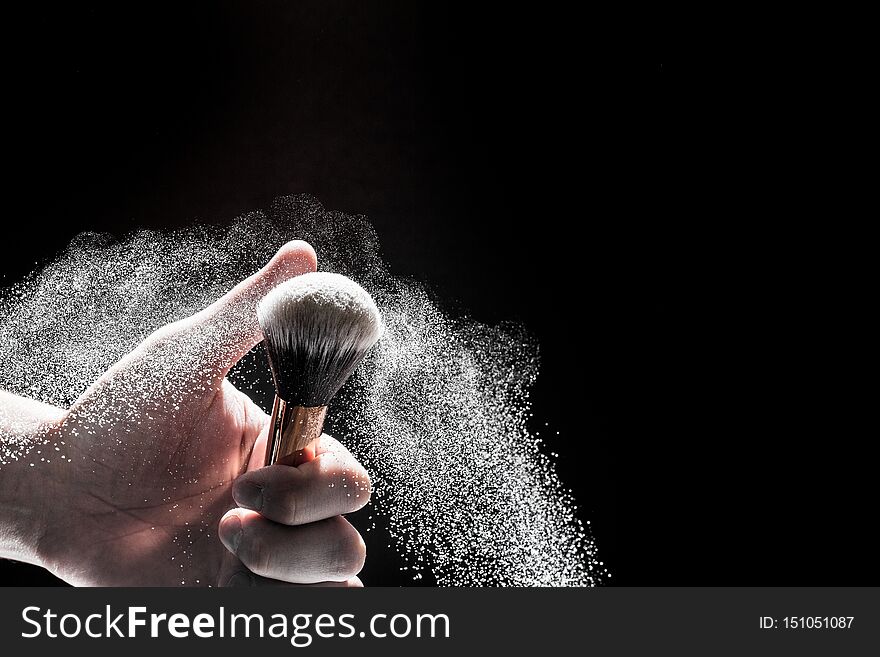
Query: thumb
[228,328]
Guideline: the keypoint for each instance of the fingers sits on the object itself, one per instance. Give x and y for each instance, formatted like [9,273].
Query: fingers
[218,336]
[331,484]
[196,353]
[329,550]
[233,317]
[298,536]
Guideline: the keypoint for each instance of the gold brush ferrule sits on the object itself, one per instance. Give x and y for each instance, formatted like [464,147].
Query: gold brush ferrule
[292,428]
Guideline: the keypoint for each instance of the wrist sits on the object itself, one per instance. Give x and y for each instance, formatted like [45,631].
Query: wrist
[28,430]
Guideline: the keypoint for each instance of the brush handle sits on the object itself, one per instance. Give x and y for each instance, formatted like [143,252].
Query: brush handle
[292,429]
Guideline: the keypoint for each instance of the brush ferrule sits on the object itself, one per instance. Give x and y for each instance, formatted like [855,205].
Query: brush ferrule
[292,429]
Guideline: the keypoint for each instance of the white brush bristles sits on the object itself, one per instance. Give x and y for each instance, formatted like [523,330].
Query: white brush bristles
[317,329]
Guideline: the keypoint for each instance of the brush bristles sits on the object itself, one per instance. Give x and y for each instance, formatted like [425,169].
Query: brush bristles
[317,327]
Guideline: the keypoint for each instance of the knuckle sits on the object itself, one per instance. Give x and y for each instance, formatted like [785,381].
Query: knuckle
[255,553]
[282,506]
[348,554]
[281,503]
[283,488]
[164,336]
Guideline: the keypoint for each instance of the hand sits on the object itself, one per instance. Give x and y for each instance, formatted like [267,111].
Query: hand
[137,483]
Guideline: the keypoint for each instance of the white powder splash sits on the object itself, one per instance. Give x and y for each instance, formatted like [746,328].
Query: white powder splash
[438,412]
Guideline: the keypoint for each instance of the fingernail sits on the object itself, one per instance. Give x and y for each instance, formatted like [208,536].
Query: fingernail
[230,533]
[248,495]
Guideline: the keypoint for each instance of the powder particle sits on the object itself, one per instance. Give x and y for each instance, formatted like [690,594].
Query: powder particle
[437,413]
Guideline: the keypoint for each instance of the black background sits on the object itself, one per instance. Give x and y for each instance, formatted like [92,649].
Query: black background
[528,166]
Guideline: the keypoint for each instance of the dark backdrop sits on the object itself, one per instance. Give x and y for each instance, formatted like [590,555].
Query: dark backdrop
[470,137]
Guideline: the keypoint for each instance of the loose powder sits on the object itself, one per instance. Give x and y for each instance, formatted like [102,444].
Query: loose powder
[438,413]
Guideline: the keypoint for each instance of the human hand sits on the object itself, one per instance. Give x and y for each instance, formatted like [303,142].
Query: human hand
[137,483]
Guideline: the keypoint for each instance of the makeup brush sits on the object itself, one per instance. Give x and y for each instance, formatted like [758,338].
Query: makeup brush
[317,328]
